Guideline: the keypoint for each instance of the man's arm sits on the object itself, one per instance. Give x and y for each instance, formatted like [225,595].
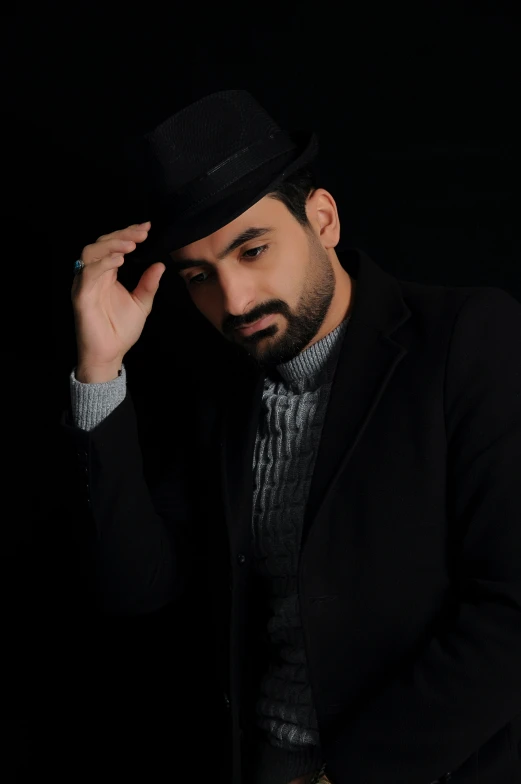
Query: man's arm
[466,685]
[135,537]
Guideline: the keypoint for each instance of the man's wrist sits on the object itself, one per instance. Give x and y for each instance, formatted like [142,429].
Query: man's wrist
[86,374]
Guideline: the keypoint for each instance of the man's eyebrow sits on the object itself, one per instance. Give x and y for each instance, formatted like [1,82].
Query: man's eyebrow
[245,236]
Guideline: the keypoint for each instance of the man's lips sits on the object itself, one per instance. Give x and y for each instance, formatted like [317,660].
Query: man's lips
[263,322]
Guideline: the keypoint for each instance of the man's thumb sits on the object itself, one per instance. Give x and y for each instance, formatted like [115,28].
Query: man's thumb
[148,285]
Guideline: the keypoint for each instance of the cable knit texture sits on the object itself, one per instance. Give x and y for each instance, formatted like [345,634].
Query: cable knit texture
[292,415]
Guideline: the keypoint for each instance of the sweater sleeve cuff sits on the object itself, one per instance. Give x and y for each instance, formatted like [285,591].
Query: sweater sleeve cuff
[92,403]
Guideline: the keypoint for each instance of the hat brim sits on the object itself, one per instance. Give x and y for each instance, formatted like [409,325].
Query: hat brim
[227,206]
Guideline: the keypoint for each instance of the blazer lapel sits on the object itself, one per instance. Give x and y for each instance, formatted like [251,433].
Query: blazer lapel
[239,431]
[368,359]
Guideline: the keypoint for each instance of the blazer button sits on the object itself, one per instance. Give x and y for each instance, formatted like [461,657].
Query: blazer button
[241,558]
[226,700]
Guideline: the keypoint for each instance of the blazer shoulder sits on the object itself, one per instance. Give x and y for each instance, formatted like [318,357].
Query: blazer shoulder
[484,307]
[484,353]
[457,302]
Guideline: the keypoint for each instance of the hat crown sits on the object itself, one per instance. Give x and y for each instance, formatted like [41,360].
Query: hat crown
[209,131]
[205,165]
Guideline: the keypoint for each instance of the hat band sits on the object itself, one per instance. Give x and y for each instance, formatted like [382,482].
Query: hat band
[227,172]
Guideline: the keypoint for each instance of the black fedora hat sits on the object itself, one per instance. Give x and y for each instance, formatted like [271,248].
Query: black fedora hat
[206,165]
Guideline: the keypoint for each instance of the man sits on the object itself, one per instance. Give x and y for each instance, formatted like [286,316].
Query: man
[361,458]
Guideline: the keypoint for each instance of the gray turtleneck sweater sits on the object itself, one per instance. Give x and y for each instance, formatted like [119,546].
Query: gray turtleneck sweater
[288,436]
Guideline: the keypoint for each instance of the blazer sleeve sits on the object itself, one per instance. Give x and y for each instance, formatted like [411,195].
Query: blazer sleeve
[466,684]
[135,531]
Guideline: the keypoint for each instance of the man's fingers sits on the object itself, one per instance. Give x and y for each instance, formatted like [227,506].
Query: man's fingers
[105,248]
[128,232]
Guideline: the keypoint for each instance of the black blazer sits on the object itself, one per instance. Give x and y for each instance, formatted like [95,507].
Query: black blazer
[410,565]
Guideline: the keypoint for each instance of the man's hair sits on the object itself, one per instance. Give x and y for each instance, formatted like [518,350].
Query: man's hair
[294,192]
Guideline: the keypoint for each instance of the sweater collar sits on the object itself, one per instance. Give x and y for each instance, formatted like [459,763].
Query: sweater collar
[316,365]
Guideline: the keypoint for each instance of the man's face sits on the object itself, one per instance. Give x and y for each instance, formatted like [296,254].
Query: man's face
[287,273]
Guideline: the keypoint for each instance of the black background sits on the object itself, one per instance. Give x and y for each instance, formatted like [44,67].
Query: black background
[416,111]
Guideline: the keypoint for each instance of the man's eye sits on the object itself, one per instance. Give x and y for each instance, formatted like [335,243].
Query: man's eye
[261,248]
